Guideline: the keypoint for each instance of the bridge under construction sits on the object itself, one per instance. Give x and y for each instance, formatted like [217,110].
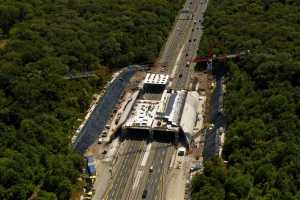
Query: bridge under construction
[157,112]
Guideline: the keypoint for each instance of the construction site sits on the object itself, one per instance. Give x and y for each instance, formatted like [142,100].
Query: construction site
[153,138]
[150,121]
[159,113]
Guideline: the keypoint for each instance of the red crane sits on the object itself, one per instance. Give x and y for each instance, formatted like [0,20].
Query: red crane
[222,58]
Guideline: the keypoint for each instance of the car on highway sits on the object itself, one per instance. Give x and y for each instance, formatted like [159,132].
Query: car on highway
[144,195]
[180,75]
[211,126]
[151,169]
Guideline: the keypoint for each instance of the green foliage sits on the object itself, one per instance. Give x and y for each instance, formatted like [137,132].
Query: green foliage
[46,39]
[211,183]
[261,101]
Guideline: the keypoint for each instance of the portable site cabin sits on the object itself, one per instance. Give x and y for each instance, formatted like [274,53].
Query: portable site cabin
[91,168]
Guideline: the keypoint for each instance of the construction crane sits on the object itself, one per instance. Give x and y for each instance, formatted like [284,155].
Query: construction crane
[222,58]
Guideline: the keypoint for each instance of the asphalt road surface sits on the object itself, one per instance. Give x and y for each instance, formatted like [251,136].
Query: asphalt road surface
[161,161]
[185,67]
[178,35]
[123,172]
[128,165]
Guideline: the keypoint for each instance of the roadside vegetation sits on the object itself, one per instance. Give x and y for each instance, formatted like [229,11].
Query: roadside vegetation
[262,101]
[41,41]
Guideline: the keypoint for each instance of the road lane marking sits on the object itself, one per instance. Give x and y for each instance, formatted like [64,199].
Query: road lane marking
[137,179]
[177,61]
[146,155]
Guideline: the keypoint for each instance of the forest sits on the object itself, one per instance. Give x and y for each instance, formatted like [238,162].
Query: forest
[40,42]
[261,104]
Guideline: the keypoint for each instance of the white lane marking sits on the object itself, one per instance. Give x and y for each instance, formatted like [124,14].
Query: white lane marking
[177,61]
[137,179]
[146,155]
[173,160]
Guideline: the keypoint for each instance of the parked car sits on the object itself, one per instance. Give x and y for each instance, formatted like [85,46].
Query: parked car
[100,140]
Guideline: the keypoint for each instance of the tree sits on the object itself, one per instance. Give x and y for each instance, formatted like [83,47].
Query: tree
[41,42]
[261,103]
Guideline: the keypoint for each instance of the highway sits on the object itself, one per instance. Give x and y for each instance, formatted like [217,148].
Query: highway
[123,172]
[129,164]
[160,163]
[130,180]
[185,67]
[185,47]
[177,37]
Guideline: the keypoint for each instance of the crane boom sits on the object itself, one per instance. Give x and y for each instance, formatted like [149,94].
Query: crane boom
[211,57]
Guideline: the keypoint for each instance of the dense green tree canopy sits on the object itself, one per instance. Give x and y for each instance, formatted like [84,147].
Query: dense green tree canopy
[261,102]
[40,42]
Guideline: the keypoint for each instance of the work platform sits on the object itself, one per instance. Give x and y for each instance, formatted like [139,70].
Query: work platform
[164,117]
